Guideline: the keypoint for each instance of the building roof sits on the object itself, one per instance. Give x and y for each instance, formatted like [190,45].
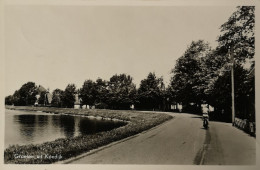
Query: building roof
[41,89]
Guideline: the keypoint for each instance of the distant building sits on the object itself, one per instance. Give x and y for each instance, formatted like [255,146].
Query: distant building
[40,89]
[47,96]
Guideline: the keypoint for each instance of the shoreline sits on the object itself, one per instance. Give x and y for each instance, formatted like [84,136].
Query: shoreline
[66,148]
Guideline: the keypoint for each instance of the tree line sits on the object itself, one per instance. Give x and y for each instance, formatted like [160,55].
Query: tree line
[118,93]
[201,75]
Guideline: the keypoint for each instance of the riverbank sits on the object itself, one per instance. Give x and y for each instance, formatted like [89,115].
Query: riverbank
[65,148]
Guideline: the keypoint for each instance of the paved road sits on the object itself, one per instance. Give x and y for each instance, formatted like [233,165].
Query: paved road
[180,141]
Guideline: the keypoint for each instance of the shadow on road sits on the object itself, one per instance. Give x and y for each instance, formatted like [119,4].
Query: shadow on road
[196,117]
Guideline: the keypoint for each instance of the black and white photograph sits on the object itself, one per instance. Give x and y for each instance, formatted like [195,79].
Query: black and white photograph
[135,83]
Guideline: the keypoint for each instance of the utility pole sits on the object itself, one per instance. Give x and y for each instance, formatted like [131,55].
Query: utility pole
[232,84]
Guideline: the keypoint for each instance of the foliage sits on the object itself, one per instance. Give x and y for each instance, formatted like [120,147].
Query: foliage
[16,98]
[238,34]
[57,97]
[101,87]
[42,97]
[204,75]
[94,93]
[25,95]
[88,92]
[244,88]
[121,91]
[151,92]
[9,100]
[69,96]
[188,83]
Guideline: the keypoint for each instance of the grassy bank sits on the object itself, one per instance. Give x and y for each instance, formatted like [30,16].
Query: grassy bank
[65,148]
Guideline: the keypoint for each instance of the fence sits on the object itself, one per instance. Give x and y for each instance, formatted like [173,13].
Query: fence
[246,126]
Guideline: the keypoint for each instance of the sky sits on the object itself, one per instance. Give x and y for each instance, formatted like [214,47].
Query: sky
[54,45]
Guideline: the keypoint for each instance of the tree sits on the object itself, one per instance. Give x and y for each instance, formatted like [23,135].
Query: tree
[9,100]
[88,92]
[101,87]
[150,92]
[57,98]
[121,91]
[221,93]
[190,74]
[69,96]
[238,33]
[42,97]
[16,98]
[25,95]
[237,38]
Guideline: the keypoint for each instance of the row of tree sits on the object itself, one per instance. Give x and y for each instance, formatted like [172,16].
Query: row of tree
[118,93]
[26,95]
[201,75]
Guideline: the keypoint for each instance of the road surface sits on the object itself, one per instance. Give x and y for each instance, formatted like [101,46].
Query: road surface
[180,141]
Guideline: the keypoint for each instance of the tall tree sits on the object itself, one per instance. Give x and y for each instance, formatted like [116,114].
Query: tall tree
[237,38]
[69,96]
[16,98]
[150,92]
[9,100]
[88,92]
[57,98]
[42,97]
[26,94]
[221,93]
[121,91]
[238,33]
[189,80]
[101,87]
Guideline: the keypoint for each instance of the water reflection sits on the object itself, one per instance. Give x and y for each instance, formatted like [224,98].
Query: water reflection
[88,126]
[55,121]
[42,120]
[27,124]
[67,124]
[32,127]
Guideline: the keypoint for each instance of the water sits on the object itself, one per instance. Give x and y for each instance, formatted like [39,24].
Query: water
[24,127]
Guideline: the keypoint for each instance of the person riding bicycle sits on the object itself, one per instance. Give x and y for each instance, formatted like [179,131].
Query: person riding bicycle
[205,113]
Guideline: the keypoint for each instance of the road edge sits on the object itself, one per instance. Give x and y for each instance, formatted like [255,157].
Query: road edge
[67,161]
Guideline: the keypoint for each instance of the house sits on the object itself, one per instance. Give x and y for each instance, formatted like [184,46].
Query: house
[46,99]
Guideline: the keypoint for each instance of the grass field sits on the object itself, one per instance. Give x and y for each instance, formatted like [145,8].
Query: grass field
[64,148]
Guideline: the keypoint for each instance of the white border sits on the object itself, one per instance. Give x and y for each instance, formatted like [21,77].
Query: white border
[3,3]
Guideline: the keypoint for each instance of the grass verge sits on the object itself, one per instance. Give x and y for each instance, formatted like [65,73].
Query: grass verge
[64,148]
